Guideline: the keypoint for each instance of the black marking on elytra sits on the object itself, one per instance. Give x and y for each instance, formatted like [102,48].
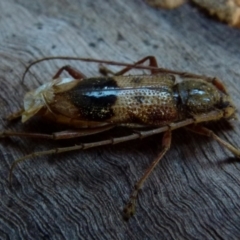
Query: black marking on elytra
[94,97]
[97,83]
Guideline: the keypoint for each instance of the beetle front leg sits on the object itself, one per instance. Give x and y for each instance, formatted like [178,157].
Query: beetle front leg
[129,209]
[209,133]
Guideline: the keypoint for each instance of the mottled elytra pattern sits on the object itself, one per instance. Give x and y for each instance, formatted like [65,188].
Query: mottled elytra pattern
[146,100]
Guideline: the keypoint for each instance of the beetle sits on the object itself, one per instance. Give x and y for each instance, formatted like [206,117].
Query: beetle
[162,101]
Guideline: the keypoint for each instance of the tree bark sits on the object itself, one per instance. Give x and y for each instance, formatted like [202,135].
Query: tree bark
[194,191]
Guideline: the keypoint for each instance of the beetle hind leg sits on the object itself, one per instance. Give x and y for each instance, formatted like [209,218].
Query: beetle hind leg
[129,208]
[57,135]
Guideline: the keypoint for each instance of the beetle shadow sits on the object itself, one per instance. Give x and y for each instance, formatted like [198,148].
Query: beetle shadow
[229,160]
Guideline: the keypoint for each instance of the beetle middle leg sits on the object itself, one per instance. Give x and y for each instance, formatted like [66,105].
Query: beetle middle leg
[129,209]
[152,63]
[71,71]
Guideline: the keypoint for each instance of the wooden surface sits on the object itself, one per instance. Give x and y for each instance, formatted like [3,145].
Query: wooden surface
[194,192]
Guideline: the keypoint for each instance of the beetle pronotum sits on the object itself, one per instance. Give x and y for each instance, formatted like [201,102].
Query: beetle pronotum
[165,100]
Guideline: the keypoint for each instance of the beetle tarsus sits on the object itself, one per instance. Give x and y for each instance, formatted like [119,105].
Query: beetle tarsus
[129,209]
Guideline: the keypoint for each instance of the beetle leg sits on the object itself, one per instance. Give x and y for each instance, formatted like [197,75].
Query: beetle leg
[152,63]
[104,70]
[58,135]
[134,125]
[71,71]
[216,82]
[129,209]
[209,133]
[138,135]
[81,133]
[211,116]
[72,148]
[166,142]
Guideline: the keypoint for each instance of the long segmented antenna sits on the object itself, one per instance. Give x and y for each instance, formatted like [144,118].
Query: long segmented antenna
[137,135]
[136,66]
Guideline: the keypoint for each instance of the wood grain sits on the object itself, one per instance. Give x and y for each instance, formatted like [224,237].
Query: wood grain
[194,192]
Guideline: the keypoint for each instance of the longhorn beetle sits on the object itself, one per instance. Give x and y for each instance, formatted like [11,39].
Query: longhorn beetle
[164,101]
